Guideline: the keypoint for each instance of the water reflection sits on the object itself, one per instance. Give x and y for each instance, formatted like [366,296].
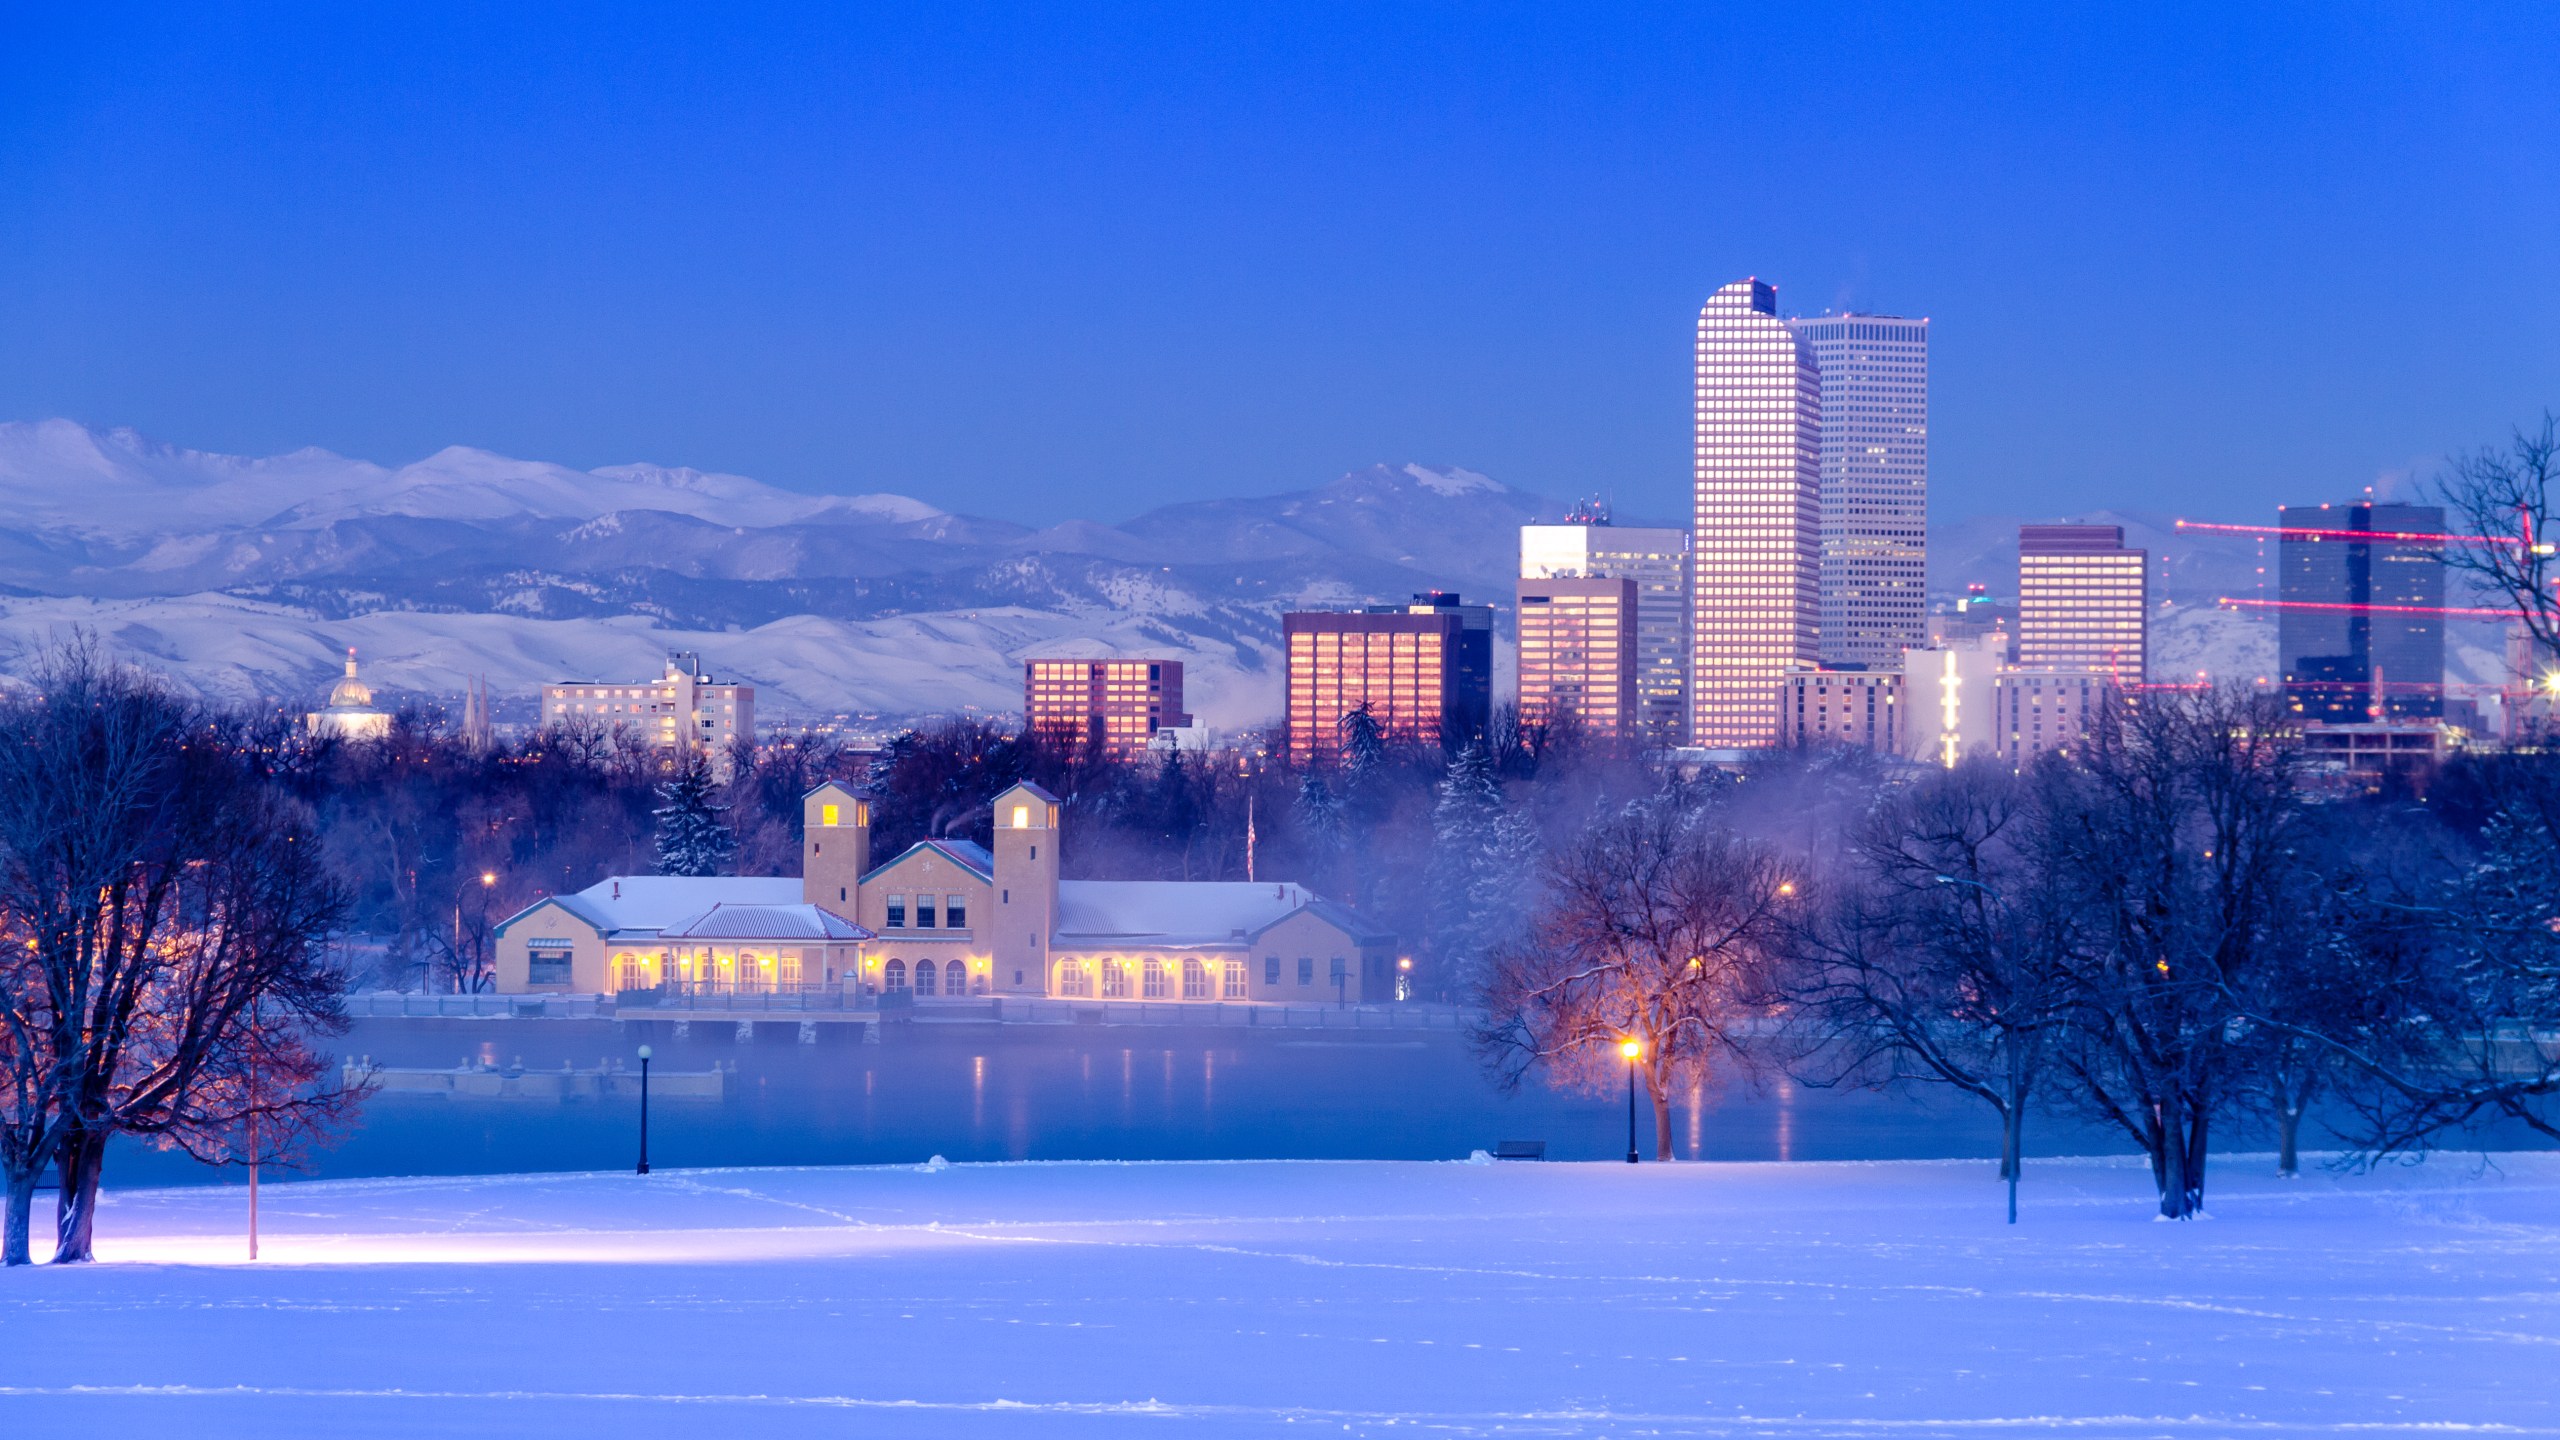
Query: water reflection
[984,1092]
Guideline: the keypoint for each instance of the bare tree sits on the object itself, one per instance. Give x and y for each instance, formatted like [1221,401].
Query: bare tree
[2508,500]
[1942,953]
[2176,827]
[1660,926]
[174,909]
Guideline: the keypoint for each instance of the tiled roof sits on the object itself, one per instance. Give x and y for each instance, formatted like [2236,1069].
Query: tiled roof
[967,854]
[647,904]
[765,922]
[1180,912]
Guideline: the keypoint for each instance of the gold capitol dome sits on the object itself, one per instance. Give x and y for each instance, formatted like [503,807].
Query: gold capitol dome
[351,693]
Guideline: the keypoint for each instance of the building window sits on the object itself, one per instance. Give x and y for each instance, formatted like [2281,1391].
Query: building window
[1071,977]
[955,911]
[1235,980]
[1270,969]
[1154,978]
[1115,979]
[1306,969]
[895,977]
[924,912]
[1195,978]
[897,913]
[547,967]
[1341,970]
[925,977]
[827,814]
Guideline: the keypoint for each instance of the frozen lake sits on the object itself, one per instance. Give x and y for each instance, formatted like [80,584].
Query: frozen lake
[1043,1092]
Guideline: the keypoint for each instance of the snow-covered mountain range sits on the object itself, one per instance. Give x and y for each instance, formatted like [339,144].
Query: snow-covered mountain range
[247,578]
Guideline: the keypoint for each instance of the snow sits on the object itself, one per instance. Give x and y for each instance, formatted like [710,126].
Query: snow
[1306,1297]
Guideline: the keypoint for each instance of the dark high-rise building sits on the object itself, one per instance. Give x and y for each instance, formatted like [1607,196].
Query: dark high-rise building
[1424,670]
[2361,631]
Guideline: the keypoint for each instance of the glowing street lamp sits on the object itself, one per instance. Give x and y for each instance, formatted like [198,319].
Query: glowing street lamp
[644,1110]
[1632,1048]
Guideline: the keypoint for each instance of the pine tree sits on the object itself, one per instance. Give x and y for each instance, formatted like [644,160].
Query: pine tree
[1319,816]
[693,836]
[1466,824]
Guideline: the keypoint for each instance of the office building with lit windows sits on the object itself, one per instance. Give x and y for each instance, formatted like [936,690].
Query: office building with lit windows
[682,708]
[1861,708]
[1756,558]
[2360,634]
[1875,483]
[1423,670]
[1588,547]
[2084,601]
[1114,706]
[1578,657]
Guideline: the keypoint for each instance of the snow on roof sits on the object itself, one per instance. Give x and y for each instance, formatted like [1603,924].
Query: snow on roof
[649,903]
[968,854]
[729,921]
[1177,912]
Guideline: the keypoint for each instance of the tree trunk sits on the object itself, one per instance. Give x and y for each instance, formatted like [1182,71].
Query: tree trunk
[2180,1163]
[2288,1133]
[75,1213]
[2013,1135]
[21,1217]
[1661,1124]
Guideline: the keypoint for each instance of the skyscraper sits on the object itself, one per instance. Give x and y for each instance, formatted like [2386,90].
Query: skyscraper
[1424,670]
[1578,656]
[2361,610]
[2084,601]
[1587,547]
[1116,705]
[1875,483]
[1756,596]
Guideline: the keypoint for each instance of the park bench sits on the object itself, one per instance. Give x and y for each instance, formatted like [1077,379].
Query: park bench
[1520,1150]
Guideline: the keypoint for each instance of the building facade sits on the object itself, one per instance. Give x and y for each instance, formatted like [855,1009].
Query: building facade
[1588,547]
[2360,633]
[683,707]
[1756,561]
[1875,483]
[2036,711]
[1113,705]
[1423,670]
[1843,707]
[946,920]
[2084,601]
[1577,658]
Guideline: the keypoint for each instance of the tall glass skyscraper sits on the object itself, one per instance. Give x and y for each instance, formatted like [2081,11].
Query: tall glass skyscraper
[2084,601]
[2363,587]
[1875,484]
[1757,586]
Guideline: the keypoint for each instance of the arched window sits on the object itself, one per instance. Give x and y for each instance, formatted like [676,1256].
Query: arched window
[1115,979]
[1195,979]
[1071,977]
[924,977]
[895,977]
[1154,978]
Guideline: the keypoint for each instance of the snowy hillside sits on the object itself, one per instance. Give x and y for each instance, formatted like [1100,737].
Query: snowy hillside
[247,577]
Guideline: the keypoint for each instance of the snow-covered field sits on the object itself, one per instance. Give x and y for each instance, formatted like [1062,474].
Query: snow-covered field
[1300,1297]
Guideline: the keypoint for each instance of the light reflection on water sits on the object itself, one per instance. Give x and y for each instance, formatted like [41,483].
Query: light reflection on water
[987,1092]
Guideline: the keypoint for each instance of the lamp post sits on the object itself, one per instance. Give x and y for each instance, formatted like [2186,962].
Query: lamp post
[1631,1048]
[644,1110]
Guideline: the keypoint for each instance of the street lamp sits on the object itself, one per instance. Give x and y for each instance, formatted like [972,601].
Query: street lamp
[1631,1048]
[644,1110]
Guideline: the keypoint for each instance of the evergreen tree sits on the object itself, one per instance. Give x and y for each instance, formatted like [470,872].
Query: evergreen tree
[1466,825]
[693,838]
[1319,815]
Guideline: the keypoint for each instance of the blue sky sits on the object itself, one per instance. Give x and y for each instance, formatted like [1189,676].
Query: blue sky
[1053,261]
